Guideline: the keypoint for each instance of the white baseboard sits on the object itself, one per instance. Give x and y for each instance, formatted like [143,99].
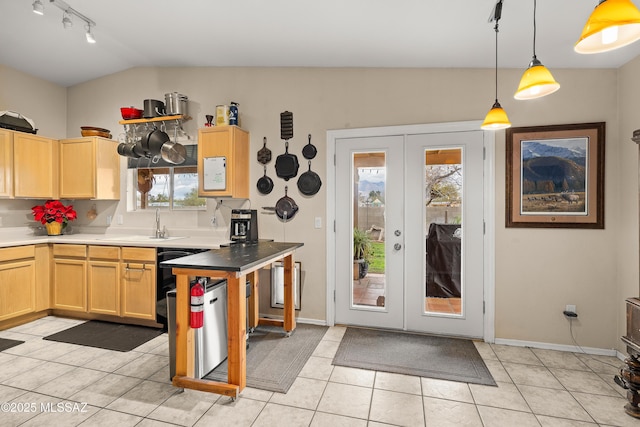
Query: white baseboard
[298,319]
[561,347]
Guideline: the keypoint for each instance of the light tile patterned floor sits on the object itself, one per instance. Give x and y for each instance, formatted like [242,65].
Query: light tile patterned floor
[535,388]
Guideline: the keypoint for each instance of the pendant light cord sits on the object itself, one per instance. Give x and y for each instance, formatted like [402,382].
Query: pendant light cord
[496,28]
[534,28]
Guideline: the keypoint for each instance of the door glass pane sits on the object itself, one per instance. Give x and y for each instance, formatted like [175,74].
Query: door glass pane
[369,187]
[443,226]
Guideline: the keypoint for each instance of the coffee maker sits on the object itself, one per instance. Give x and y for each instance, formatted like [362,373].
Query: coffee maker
[244,226]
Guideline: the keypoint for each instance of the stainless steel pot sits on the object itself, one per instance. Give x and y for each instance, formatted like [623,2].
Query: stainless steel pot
[175,104]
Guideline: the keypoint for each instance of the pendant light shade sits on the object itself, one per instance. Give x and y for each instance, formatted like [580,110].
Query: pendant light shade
[536,82]
[612,24]
[496,118]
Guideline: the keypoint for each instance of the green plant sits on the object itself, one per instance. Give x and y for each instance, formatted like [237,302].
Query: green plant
[361,245]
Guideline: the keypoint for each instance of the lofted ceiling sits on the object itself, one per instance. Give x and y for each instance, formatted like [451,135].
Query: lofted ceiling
[293,33]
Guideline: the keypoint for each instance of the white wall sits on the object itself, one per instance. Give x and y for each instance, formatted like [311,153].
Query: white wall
[538,271]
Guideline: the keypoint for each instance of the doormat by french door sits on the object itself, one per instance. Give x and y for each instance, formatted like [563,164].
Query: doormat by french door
[6,344]
[427,356]
[107,335]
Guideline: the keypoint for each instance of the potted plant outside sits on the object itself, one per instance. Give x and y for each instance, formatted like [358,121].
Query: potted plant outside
[361,253]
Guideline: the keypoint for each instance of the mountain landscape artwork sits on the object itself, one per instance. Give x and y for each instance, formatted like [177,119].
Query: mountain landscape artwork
[554,176]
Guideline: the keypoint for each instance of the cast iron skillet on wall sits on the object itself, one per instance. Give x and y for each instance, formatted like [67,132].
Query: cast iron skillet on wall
[265,184]
[309,183]
[285,208]
[286,164]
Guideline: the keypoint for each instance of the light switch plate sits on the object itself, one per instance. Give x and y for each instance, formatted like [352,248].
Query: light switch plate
[318,222]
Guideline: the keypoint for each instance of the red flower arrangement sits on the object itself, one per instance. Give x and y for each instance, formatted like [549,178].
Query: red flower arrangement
[54,211]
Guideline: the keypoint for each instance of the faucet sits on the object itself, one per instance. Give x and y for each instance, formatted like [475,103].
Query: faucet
[160,233]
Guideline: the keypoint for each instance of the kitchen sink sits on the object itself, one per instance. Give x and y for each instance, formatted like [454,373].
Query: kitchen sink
[138,238]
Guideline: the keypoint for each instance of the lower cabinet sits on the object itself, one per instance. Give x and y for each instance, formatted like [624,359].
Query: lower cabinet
[107,280]
[69,277]
[103,281]
[138,285]
[17,281]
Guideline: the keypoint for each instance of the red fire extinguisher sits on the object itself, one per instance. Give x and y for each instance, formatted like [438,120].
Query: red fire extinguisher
[197,305]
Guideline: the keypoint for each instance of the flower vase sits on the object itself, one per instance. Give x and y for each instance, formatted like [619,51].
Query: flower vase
[54,228]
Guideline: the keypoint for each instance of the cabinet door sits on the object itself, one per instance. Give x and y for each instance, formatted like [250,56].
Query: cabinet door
[6,163]
[104,287]
[139,290]
[35,165]
[17,288]
[232,143]
[69,284]
[77,169]
[89,169]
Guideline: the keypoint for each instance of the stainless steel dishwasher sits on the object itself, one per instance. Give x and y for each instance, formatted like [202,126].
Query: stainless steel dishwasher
[211,339]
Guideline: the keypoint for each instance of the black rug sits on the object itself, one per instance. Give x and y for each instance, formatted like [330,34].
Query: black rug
[413,354]
[274,361]
[110,336]
[6,344]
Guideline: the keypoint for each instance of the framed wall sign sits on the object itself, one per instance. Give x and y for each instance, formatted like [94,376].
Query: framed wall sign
[555,176]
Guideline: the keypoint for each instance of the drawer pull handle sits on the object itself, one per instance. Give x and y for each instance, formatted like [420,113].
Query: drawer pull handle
[144,267]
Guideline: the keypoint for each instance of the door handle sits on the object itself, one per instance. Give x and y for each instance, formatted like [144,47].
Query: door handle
[397,246]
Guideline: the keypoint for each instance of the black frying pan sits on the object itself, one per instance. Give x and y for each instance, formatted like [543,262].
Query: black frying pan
[265,184]
[309,182]
[286,207]
[287,164]
[264,154]
[309,151]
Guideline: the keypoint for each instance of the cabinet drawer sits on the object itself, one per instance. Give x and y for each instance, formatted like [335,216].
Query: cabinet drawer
[18,252]
[104,252]
[138,254]
[63,250]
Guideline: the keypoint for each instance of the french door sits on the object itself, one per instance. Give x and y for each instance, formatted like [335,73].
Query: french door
[416,199]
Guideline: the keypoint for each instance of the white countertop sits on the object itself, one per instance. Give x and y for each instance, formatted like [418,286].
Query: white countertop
[24,236]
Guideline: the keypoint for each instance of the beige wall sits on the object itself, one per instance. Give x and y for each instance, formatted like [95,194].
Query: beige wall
[43,102]
[627,168]
[538,271]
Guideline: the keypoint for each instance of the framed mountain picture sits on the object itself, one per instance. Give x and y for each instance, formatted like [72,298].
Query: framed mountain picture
[555,176]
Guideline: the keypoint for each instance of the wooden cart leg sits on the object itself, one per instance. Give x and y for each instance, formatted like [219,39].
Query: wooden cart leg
[237,330]
[254,300]
[182,324]
[289,300]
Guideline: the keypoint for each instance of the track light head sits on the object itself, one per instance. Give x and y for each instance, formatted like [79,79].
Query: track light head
[90,38]
[66,21]
[38,7]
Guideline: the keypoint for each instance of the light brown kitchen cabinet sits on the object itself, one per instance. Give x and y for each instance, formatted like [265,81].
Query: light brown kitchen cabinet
[223,162]
[35,166]
[138,285]
[17,281]
[69,277]
[6,163]
[89,169]
[43,277]
[103,281]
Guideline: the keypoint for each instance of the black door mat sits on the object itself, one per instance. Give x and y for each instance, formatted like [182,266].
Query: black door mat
[426,356]
[273,360]
[110,336]
[6,344]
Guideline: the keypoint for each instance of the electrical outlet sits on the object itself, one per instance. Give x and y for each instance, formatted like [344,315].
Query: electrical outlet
[0,221]
[108,219]
[213,221]
[318,222]
[570,308]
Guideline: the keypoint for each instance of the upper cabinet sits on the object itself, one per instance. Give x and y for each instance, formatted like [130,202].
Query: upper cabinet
[89,169]
[35,166]
[6,163]
[223,162]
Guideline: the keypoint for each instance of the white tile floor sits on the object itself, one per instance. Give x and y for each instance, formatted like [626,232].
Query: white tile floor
[104,388]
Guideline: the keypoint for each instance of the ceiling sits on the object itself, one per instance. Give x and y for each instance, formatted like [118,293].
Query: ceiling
[293,33]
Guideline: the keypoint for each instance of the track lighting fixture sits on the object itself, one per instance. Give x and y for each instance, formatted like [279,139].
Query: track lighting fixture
[38,7]
[67,13]
[537,80]
[612,24]
[66,21]
[496,118]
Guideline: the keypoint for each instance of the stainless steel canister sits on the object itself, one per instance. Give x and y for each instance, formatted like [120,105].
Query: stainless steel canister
[175,104]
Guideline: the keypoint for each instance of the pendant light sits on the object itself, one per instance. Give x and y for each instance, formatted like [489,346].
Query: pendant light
[496,117]
[537,80]
[612,24]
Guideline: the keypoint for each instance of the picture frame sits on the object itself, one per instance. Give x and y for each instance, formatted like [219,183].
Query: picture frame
[555,176]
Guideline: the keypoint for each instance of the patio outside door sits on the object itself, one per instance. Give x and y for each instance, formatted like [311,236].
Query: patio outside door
[419,200]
